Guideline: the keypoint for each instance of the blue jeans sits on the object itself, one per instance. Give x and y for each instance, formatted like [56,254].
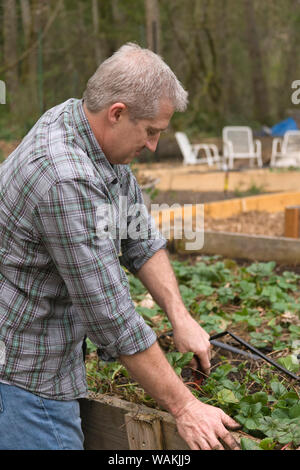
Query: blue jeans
[30,422]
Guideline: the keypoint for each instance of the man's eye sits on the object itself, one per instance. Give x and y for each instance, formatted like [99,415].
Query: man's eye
[151,132]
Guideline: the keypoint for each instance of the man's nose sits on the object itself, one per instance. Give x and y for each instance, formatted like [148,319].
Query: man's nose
[152,142]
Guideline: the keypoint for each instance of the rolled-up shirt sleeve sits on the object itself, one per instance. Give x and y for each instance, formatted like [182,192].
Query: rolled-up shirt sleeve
[66,219]
[140,248]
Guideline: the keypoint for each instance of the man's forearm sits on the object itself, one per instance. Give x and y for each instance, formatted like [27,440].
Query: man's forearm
[152,371]
[158,277]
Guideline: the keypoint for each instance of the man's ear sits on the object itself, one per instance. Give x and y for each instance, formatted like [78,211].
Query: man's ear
[115,111]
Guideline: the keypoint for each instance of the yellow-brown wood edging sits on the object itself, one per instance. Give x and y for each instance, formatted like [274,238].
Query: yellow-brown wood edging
[222,209]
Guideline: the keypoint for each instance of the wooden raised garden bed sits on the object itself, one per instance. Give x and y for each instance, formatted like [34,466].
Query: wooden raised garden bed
[258,302]
[245,228]
[110,423]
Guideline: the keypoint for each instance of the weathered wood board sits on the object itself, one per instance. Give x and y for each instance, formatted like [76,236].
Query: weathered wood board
[110,423]
[252,247]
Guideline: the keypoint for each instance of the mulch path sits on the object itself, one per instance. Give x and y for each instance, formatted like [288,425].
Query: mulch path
[191,197]
[252,222]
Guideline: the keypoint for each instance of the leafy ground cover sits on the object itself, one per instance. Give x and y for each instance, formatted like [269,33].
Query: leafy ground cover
[259,302]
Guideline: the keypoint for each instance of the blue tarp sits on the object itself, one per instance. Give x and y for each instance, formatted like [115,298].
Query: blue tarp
[282,127]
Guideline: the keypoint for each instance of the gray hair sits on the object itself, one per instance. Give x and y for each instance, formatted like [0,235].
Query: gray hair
[137,77]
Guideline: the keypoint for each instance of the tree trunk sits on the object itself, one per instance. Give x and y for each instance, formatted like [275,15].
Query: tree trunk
[229,98]
[26,20]
[290,63]
[119,19]
[10,50]
[97,46]
[66,39]
[40,15]
[28,66]
[153,25]
[260,91]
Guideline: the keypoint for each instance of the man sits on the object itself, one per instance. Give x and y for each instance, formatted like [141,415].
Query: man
[61,279]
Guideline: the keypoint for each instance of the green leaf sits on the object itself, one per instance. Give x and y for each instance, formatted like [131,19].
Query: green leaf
[294,412]
[227,396]
[91,347]
[204,289]
[185,359]
[261,269]
[258,397]
[295,329]
[247,289]
[225,294]
[290,363]
[240,419]
[179,360]
[146,312]
[136,287]
[188,295]
[251,423]
[255,408]
[291,398]
[249,444]
[222,371]
[278,389]
[279,413]
[267,444]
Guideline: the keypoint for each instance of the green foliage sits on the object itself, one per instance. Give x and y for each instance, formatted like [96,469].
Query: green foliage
[254,299]
[249,444]
[290,363]
[179,360]
[215,63]
[273,412]
[253,289]
[90,347]
[137,289]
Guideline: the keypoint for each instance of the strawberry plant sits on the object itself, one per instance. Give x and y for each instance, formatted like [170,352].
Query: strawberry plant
[260,303]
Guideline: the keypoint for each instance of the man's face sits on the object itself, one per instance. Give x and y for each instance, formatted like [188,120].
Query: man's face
[129,138]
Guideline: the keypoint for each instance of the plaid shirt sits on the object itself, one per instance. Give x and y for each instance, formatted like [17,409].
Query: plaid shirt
[59,280]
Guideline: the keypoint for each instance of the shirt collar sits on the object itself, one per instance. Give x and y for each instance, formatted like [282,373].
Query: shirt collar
[92,146]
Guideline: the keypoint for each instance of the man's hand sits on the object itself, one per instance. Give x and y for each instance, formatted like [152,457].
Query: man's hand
[189,336]
[159,278]
[201,426]
[206,427]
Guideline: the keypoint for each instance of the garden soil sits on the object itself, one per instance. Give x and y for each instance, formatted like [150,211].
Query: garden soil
[252,222]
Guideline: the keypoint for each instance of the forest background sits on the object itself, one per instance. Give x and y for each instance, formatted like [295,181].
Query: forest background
[237,58]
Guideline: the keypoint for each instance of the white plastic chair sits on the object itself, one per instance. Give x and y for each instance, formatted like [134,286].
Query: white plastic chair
[190,151]
[238,143]
[286,151]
